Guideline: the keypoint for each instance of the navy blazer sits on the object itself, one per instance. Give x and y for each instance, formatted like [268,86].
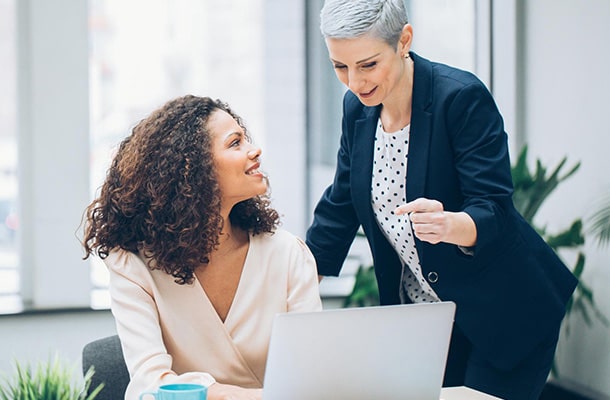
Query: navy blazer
[511,293]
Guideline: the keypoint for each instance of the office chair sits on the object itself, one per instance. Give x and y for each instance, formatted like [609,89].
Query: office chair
[106,356]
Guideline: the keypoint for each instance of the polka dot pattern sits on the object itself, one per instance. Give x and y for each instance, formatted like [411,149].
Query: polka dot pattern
[387,193]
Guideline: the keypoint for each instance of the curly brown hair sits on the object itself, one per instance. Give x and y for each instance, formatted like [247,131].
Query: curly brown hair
[161,195]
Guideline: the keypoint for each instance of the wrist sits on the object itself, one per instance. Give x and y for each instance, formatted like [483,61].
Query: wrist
[463,231]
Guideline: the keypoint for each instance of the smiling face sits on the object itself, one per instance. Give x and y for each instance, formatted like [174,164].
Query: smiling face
[236,160]
[371,68]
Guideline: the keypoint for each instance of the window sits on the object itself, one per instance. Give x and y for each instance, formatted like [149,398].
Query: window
[139,60]
[9,276]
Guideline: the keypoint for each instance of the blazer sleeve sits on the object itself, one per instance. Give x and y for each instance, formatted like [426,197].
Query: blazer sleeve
[335,221]
[481,160]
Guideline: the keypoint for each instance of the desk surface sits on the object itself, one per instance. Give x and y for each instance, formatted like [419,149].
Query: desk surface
[464,393]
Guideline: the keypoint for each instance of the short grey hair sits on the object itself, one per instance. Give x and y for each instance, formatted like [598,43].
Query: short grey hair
[348,19]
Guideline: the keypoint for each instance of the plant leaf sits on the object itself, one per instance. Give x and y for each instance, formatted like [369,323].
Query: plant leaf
[600,222]
[49,380]
[572,237]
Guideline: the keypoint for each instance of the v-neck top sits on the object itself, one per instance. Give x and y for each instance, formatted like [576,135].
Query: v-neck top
[172,333]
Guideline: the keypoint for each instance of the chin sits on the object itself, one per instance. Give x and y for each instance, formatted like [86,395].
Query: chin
[370,102]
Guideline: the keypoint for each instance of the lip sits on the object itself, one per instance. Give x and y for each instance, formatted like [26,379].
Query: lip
[368,94]
[253,170]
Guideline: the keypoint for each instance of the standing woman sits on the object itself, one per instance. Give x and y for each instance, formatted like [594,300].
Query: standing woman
[423,167]
[197,267]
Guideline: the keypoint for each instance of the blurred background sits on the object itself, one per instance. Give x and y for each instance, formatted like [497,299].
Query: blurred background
[76,76]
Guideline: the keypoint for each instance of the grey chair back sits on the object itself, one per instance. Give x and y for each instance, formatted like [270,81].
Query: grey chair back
[106,356]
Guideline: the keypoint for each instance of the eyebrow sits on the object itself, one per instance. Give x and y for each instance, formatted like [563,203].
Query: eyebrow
[229,135]
[358,62]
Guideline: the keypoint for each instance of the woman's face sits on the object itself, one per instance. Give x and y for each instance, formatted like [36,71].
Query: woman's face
[236,160]
[368,66]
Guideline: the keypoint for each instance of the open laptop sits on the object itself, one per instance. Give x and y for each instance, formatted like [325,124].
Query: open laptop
[385,352]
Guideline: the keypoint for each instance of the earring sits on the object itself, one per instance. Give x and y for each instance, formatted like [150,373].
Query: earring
[406,55]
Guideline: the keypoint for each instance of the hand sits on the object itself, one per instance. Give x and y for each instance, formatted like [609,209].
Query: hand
[428,218]
[219,391]
[434,225]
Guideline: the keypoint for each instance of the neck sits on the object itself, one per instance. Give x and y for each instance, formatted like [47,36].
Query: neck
[230,239]
[396,111]
[227,233]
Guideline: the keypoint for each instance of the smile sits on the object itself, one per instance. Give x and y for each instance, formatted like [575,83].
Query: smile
[254,170]
[368,94]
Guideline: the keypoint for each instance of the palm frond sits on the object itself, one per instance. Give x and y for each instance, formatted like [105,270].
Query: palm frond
[600,222]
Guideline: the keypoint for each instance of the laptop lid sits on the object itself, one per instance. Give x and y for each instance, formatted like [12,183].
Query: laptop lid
[384,352]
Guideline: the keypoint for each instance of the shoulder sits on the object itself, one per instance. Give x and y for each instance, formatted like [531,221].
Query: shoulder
[129,265]
[122,260]
[277,239]
[279,245]
[455,76]
[445,80]
[451,94]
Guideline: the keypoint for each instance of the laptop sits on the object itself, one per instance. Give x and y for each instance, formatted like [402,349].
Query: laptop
[383,352]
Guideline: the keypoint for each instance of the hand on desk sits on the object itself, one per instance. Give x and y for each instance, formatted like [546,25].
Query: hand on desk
[218,391]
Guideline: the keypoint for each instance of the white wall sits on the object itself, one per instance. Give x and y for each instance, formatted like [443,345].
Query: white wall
[30,338]
[566,99]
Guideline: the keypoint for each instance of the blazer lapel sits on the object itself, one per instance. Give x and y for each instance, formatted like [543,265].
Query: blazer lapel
[362,163]
[421,129]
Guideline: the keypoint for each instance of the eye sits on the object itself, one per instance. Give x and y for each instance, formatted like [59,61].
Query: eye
[369,65]
[235,142]
[339,66]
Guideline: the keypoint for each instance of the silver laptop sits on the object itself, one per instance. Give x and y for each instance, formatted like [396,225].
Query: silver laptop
[385,352]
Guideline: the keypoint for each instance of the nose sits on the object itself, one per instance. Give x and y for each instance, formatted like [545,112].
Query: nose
[354,82]
[255,152]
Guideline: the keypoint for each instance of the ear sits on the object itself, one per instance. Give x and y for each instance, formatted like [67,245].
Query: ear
[406,38]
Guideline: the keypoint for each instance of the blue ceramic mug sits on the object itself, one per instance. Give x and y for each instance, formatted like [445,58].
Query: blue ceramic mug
[179,391]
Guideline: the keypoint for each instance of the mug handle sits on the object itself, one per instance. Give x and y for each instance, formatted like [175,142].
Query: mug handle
[153,394]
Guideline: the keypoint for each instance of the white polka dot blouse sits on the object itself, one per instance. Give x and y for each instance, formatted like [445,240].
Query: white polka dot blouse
[388,192]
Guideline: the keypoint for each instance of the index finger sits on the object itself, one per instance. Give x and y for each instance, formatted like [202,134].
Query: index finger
[420,204]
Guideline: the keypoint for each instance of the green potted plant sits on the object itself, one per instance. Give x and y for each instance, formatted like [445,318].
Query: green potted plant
[49,380]
[531,190]
[365,292]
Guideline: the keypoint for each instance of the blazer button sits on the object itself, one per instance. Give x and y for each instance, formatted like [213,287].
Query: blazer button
[432,277]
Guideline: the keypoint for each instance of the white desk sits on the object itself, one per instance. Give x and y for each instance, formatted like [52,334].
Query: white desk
[464,393]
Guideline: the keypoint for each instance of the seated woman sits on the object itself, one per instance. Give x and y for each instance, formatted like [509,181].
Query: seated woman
[198,268]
